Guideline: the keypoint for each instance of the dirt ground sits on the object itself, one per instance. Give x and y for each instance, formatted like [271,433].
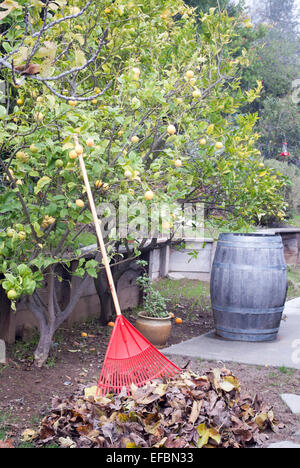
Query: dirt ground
[26,392]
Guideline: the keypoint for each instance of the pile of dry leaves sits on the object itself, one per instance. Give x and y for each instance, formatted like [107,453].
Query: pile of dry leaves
[188,411]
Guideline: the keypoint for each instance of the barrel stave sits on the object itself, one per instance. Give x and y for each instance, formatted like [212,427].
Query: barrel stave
[248,287]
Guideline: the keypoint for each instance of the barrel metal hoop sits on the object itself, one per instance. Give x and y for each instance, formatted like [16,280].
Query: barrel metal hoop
[244,311]
[248,332]
[242,245]
[233,266]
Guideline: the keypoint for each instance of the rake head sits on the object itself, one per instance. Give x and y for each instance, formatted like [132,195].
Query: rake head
[131,359]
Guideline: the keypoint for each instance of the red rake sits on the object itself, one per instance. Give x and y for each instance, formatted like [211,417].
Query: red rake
[130,358]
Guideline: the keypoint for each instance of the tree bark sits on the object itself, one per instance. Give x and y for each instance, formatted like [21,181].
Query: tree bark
[50,316]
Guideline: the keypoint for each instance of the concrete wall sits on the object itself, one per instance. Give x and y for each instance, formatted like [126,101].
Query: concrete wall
[291,243]
[177,263]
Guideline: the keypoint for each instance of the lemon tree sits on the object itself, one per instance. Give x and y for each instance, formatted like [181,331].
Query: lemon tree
[150,102]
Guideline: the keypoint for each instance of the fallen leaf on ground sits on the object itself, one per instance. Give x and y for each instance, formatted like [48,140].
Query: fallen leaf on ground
[186,411]
[6,444]
[28,435]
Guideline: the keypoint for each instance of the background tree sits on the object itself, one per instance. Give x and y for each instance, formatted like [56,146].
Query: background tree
[280,122]
[275,61]
[154,104]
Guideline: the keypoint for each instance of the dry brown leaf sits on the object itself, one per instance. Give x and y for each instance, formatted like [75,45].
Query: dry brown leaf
[7,444]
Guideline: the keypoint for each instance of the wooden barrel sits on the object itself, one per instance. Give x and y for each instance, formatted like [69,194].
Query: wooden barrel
[248,286]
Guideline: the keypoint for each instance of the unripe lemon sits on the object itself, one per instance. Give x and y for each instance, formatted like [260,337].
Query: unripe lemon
[10,232]
[39,117]
[80,203]
[171,130]
[196,93]
[59,163]
[12,295]
[190,74]
[135,139]
[73,154]
[20,155]
[90,142]
[149,195]
[22,235]
[79,149]
[33,148]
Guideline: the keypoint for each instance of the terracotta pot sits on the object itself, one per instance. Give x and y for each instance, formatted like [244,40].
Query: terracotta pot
[156,330]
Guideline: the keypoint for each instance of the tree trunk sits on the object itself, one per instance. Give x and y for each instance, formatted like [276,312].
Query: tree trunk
[103,289]
[50,316]
[44,346]
[104,294]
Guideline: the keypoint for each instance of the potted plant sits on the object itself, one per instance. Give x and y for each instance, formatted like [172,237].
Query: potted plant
[154,321]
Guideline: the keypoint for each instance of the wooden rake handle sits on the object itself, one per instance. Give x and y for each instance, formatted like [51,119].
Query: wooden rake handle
[99,235]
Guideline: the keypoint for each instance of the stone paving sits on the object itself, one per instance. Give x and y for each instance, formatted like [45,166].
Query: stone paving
[292,401]
[285,351]
[286,444]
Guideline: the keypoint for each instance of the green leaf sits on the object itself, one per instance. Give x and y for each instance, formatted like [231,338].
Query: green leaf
[29,286]
[92,273]
[41,184]
[2,112]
